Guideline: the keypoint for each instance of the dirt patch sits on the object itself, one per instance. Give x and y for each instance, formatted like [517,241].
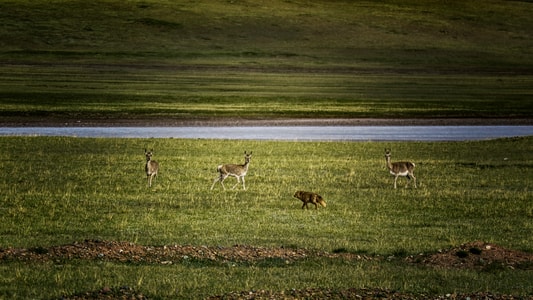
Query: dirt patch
[476,255]
[293,294]
[133,253]
[359,294]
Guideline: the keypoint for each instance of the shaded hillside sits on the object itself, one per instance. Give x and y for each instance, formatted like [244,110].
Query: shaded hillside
[359,33]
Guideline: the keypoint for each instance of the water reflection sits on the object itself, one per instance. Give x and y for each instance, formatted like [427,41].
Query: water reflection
[303,133]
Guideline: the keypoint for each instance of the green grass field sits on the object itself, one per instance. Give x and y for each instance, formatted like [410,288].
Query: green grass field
[60,190]
[69,60]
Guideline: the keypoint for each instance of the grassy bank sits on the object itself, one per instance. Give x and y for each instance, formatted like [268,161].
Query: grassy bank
[169,94]
[60,190]
[282,59]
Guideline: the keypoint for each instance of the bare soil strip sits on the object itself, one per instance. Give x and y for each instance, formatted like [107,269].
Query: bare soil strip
[293,294]
[133,253]
[476,255]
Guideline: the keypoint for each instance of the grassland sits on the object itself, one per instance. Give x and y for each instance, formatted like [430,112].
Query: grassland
[59,190]
[105,60]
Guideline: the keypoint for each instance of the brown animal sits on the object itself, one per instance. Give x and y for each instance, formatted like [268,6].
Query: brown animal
[309,197]
[151,166]
[401,168]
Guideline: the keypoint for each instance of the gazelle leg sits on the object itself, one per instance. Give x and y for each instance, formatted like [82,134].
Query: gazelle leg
[395,179]
[215,181]
[238,181]
[221,179]
[149,178]
[243,186]
[414,179]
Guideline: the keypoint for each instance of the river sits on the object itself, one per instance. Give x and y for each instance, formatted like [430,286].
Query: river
[293,133]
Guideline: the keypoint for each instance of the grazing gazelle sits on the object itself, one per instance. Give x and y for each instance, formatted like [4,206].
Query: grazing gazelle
[401,168]
[151,167]
[237,171]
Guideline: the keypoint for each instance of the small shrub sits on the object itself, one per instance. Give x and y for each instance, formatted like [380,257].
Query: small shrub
[462,254]
[400,253]
[340,250]
[475,250]
[39,250]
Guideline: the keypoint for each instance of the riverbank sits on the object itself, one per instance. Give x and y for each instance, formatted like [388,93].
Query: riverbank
[218,122]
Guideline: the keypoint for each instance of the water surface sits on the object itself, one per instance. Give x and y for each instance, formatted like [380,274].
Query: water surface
[296,133]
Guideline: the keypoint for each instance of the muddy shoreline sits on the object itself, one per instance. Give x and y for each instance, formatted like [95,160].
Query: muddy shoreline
[168,122]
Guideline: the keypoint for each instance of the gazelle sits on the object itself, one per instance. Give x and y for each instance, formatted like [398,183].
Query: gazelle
[401,168]
[151,167]
[237,171]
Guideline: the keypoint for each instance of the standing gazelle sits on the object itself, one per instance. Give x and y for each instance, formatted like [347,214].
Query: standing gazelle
[401,168]
[237,171]
[151,167]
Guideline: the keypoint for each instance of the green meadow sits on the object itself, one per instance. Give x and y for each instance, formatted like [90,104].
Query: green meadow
[58,190]
[67,61]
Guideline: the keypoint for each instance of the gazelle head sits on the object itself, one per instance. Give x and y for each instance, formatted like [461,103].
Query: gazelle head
[247,157]
[148,154]
[387,153]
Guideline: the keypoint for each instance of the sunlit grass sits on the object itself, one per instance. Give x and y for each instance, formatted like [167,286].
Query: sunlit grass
[99,186]
[203,280]
[60,190]
[155,93]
